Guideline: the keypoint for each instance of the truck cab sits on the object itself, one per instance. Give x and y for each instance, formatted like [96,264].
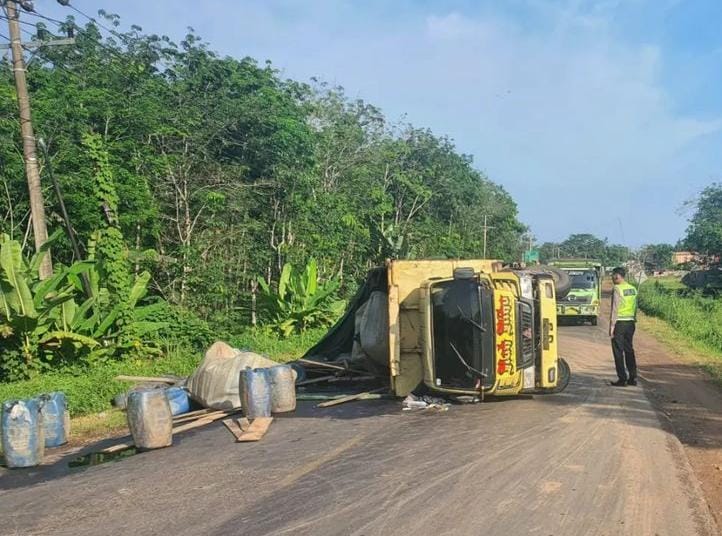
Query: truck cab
[490,332]
[583,299]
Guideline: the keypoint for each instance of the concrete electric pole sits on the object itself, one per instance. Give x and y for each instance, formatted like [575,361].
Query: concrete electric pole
[486,229]
[37,204]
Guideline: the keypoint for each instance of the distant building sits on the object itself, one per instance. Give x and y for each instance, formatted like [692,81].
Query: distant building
[682,257]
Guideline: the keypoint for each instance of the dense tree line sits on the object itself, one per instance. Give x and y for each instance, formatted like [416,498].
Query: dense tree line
[585,246]
[224,171]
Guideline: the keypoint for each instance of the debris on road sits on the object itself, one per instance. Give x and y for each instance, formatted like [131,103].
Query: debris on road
[233,427]
[245,430]
[255,392]
[413,402]
[23,437]
[366,395]
[200,418]
[149,419]
[256,430]
[214,384]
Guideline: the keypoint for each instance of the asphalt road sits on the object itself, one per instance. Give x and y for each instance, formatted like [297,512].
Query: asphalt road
[594,460]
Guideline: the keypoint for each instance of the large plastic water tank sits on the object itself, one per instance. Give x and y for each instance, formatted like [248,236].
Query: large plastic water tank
[53,409]
[150,419]
[283,389]
[178,400]
[23,436]
[255,392]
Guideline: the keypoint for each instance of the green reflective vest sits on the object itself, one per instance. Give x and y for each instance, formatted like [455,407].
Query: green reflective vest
[627,309]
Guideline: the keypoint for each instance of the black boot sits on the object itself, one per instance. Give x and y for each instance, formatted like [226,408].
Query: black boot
[619,383]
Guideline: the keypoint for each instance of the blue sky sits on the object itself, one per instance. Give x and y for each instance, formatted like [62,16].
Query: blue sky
[599,116]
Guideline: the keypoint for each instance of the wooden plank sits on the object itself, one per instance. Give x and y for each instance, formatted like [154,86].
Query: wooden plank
[318,396]
[320,364]
[350,398]
[256,430]
[118,447]
[156,379]
[201,421]
[335,379]
[207,419]
[315,380]
[186,418]
[193,413]
[244,423]
[323,364]
[233,428]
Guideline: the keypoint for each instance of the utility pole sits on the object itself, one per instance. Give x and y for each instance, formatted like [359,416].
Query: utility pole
[486,229]
[37,204]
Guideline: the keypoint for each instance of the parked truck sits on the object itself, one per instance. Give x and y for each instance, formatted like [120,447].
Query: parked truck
[582,301]
[457,327]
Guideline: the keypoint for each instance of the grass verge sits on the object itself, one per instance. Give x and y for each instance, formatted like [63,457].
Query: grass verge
[685,348]
[689,324]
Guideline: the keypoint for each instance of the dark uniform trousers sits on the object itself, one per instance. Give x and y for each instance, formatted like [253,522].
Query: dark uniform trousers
[623,349]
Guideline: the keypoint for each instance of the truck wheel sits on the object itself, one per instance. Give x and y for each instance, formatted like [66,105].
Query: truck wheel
[593,321]
[564,375]
[562,281]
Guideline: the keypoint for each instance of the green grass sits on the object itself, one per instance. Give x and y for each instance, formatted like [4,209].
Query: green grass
[696,320]
[91,390]
[278,348]
[667,282]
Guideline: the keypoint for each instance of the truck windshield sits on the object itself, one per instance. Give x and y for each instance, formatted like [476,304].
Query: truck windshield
[458,323]
[581,279]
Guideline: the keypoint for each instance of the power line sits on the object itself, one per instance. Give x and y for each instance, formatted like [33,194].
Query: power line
[75,27]
[80,30]
[50,19]
[5,17]
[96,21]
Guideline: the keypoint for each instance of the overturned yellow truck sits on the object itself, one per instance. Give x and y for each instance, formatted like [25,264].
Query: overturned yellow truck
[457,327]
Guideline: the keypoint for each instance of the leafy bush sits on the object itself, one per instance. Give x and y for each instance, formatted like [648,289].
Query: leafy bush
[180,326]
[300,300]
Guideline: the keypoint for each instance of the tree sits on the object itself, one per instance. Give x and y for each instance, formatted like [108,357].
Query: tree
[616,254]
[584,246]
[657,256]
[548,251]
[704,233]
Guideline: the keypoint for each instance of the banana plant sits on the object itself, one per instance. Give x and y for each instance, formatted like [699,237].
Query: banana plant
[300,301]
[31,310]
[51,319]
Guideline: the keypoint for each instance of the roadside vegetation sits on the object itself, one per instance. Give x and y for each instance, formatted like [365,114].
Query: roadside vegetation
[692,320]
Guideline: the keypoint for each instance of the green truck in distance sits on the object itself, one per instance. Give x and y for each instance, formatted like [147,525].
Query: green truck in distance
[582,301]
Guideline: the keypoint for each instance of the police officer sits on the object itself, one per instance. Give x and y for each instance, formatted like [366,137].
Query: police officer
[621,328]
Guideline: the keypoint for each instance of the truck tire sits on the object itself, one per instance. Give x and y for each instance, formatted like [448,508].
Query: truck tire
[562,281]
[564,373]
[593,321]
